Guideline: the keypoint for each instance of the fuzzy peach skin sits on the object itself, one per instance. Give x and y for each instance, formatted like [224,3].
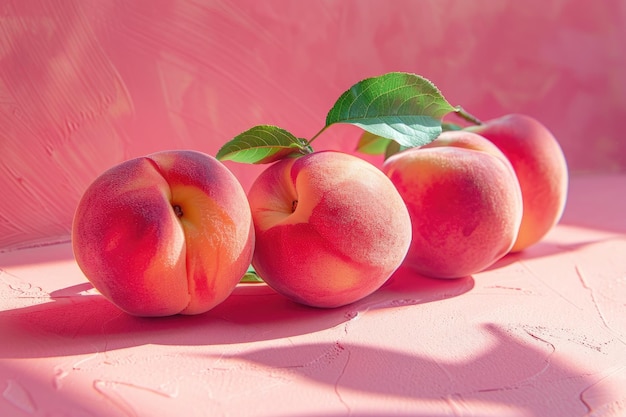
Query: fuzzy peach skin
[164,234]
[464,201]
[541,169]
[330,228]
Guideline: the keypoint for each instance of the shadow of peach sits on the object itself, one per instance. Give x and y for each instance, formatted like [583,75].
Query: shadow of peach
[74,324]
[544,249]
[517,372]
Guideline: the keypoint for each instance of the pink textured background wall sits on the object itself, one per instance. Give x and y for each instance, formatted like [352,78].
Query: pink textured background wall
[85,84]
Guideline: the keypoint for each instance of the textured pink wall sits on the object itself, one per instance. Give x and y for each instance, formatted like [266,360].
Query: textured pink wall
[85,84]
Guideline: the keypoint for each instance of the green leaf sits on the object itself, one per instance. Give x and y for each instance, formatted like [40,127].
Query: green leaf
[262,144]
[451,126]
[400,106]
[372,144]
[393,148]
[251,276]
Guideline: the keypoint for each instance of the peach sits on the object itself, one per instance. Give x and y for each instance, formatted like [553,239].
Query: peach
[541,169]
[164,234]
[464,201]
[330,228]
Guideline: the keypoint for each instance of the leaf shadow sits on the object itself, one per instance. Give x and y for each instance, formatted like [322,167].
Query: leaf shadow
[517,365]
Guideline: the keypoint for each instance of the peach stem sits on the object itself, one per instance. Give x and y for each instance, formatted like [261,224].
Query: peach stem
[460,112]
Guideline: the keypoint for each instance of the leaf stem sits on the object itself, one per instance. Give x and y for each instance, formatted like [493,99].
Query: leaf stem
[460,112]
[317,134]
[306,148]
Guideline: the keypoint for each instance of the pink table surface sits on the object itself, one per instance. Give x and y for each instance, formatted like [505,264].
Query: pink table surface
[541,333]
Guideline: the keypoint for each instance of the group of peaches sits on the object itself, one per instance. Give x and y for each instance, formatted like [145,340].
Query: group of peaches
[174,232]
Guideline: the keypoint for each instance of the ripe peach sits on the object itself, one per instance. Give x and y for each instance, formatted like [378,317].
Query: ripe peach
[164,234]
[330,228]
[541,169]
[464,200]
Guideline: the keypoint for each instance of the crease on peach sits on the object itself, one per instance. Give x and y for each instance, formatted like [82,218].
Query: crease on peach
[156,166]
